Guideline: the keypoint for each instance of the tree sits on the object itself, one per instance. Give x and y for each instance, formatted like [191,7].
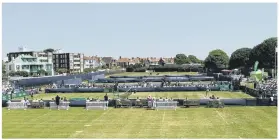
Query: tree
[239,58]
[216,60]
[89,70]
[60,71]
[181,59]
[193,59]
[41,72]
[161,62]
[3,67]
[19,73]
[264,53]
[49,50]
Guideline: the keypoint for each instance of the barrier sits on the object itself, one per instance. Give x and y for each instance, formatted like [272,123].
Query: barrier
[141,89]
[53,79]
[144,102]
[16,105]
[97,105]
[166,105]
[62,105]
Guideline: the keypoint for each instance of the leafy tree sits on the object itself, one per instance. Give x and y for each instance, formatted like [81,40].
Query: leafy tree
[3,67]
[181,59]
[104,66]
[49,50]
[19,73]
[60,71]
[161,62]
[41,72]
[193,59]
[88,70]
[239,58]
[264,53]
[216,60]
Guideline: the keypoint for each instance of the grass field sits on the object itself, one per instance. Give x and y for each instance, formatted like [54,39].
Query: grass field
[153,73]
[174,95]
[231,122]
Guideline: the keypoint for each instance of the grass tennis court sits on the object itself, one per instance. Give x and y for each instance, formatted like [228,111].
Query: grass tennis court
[174,95]
[231,122]
[153,73]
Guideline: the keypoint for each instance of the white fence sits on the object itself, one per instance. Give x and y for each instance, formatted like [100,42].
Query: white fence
[166,105]
[62,105]
[97,105]
[16,105]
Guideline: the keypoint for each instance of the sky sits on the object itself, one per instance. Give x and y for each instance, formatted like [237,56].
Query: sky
[137,30]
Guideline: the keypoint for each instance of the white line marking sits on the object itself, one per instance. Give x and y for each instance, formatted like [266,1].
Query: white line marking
[162,123]
[78,131]
[163,117]
[87,125]
[76,134]
[221,116]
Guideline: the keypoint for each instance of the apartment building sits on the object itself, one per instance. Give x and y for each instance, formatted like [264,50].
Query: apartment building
[30,64]
[92,62]
[72,62]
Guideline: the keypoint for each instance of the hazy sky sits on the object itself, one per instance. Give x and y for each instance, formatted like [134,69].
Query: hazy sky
[137,29]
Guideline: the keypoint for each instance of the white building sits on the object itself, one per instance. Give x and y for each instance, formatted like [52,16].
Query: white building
[92,62]
[30,64]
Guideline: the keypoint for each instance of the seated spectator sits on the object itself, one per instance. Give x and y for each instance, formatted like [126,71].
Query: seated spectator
[23,101]
[161,100]
[65,99]
[166,99]
[213,97]
[27,102]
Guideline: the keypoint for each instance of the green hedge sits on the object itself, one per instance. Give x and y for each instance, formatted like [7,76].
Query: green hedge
[166,68]
[174,67]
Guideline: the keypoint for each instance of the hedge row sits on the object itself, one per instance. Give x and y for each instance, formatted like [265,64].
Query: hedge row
[167,68]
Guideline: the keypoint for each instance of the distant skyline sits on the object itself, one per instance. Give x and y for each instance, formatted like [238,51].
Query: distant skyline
[137,30]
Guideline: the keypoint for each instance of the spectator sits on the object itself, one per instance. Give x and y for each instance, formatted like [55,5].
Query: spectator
[106,97]
[57,101]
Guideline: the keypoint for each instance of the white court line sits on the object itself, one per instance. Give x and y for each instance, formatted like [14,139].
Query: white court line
[75,134]
[221,116]
[162,123]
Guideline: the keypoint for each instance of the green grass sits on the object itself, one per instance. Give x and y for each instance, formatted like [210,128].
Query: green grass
[231,122]
[153,73]
[175,95]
